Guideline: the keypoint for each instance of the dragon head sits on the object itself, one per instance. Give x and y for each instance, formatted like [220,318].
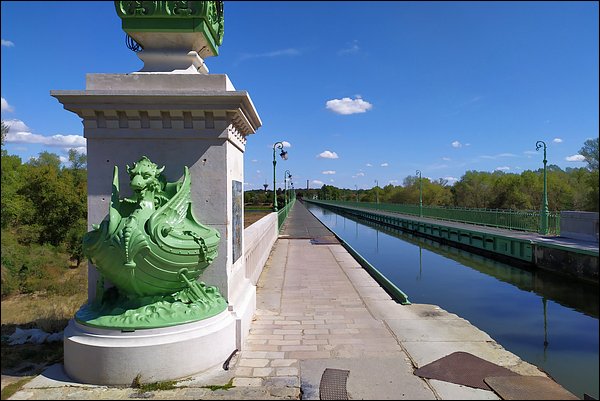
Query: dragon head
[146,177]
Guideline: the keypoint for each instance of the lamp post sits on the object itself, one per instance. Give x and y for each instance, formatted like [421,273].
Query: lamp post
[284,156]
[420,193]
[286,175]
[545,212]
[377,191]
[356,186]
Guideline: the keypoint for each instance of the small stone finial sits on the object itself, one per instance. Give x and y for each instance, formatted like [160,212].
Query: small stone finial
[175,36]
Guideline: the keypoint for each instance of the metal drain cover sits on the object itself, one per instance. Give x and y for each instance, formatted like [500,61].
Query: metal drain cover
[528,388]
[463,368]
[333,384]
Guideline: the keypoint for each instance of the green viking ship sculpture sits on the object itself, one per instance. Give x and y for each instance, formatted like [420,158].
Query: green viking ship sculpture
[152,248]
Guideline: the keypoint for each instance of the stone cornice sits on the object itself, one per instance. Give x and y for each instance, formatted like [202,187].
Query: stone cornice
[132,104]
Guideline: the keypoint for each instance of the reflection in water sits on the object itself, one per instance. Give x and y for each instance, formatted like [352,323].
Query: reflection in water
[545,328]
[572,293]
[560,336]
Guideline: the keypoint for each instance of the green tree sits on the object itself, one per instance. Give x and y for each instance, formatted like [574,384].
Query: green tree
[58,201]
[590,152]
[4,131]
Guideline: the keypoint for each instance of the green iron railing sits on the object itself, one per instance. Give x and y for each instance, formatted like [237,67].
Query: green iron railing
[520,220]
[283,212]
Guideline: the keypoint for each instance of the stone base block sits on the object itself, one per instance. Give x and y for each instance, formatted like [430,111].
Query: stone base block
[113,357]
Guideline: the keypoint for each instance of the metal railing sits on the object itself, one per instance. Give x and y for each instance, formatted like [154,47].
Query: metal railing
[283,212]
[520,220]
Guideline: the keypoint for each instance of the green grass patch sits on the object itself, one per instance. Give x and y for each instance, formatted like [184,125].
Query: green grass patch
[221,387]
[12,388]
[145,387]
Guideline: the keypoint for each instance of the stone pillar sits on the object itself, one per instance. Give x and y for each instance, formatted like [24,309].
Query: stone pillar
[177,120]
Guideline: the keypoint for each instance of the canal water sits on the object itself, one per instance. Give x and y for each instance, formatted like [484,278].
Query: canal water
[548,321]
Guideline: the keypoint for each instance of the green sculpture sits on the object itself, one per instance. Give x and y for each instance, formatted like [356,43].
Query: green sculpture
[152,248]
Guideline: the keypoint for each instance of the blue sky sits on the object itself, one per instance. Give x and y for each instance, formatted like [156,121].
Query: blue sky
[361,91]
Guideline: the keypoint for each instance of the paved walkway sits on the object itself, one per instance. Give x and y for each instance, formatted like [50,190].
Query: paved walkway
[317,308]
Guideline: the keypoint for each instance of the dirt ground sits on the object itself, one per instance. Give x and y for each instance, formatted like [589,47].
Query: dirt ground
[253,216]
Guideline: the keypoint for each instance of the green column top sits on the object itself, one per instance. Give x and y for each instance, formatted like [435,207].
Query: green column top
[199,22]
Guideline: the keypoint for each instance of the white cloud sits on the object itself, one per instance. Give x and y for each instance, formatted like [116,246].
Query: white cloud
[530,152]
[451,179]
[502,168]
[393,181]
[19,132]
[384,164]
[253,160]
[285,144]
[275,53]
[66,141]
[80,149]
[348,106]
[353,48]
[447,159]
[575,158]
[557,140]
[369,165]
[331,180]
[456,144]
[317,182]
[328,172]
[361,174]
[328,155]
[7,43]
[6,107]
[494,157]
[15,125]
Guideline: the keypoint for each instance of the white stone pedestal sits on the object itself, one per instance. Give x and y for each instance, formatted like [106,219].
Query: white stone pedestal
[176,120]
[113,357]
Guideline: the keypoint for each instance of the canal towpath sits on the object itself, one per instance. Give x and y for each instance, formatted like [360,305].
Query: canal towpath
[318,310]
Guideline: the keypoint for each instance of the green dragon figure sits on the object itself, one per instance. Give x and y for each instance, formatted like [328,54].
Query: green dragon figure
[152,249]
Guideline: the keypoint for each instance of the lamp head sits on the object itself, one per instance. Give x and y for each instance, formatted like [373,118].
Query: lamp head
[284,154]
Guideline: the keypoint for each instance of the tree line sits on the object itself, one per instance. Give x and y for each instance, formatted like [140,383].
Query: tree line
[568,189]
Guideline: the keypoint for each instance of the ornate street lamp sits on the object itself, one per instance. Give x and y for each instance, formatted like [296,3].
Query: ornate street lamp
[420,193]
[284,156]
[286,175]
[545,211]
[356,186]
[377,191]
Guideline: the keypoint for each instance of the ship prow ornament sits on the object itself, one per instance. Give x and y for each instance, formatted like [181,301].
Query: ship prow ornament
[153,249]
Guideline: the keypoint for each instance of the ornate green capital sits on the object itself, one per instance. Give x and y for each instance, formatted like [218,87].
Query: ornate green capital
[184,17]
